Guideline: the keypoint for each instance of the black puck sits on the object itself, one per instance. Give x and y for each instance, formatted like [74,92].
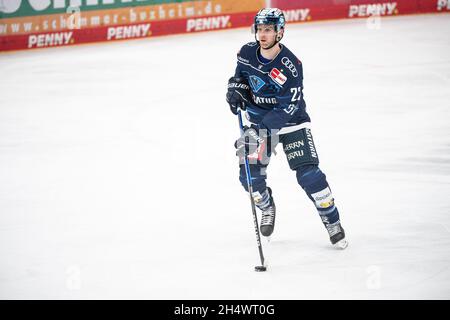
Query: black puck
[260,268]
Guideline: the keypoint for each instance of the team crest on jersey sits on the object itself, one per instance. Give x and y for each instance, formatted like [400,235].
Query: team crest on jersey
[256,83]
[277,76]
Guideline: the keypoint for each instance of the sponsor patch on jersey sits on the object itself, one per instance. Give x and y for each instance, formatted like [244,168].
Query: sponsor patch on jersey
[277,76]
[288,63]
[256,83]
[242,59]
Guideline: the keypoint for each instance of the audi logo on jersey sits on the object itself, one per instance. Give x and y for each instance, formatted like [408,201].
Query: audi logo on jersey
[288,63]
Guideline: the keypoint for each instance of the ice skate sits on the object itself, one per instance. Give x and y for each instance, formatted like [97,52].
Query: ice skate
[337,235]
[268,216]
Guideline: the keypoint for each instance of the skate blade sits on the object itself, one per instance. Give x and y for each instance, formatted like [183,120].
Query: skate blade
[341,244]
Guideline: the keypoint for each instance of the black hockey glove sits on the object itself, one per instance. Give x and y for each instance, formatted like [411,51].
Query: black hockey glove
[238,94]
[253,143]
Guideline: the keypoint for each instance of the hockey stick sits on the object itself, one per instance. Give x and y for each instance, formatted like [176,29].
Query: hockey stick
[262,267]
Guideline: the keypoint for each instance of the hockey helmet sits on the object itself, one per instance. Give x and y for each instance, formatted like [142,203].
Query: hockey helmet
[272,16]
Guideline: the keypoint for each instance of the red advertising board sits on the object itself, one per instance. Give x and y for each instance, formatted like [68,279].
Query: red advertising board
[29,25]
[40,31]
[124,32]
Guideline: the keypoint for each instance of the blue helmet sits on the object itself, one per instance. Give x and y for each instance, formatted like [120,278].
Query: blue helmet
[270,16]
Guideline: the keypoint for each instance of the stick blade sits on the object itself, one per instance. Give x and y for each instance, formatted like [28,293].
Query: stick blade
[260,268]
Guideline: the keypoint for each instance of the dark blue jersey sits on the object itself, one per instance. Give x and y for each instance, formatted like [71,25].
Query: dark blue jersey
[277,87]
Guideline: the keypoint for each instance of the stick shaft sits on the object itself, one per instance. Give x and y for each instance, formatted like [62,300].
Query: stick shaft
[250,192]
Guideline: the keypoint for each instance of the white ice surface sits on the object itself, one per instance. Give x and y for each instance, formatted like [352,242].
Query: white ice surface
[118,177]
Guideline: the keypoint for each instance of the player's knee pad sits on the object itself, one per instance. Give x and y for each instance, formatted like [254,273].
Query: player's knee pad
[315,184]
[311,178]
[258,174]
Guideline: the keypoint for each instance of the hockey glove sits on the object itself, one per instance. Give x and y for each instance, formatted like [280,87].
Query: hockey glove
[238,94]
[252,143]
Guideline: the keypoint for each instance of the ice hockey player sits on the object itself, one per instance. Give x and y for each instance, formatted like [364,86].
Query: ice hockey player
[268,85]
